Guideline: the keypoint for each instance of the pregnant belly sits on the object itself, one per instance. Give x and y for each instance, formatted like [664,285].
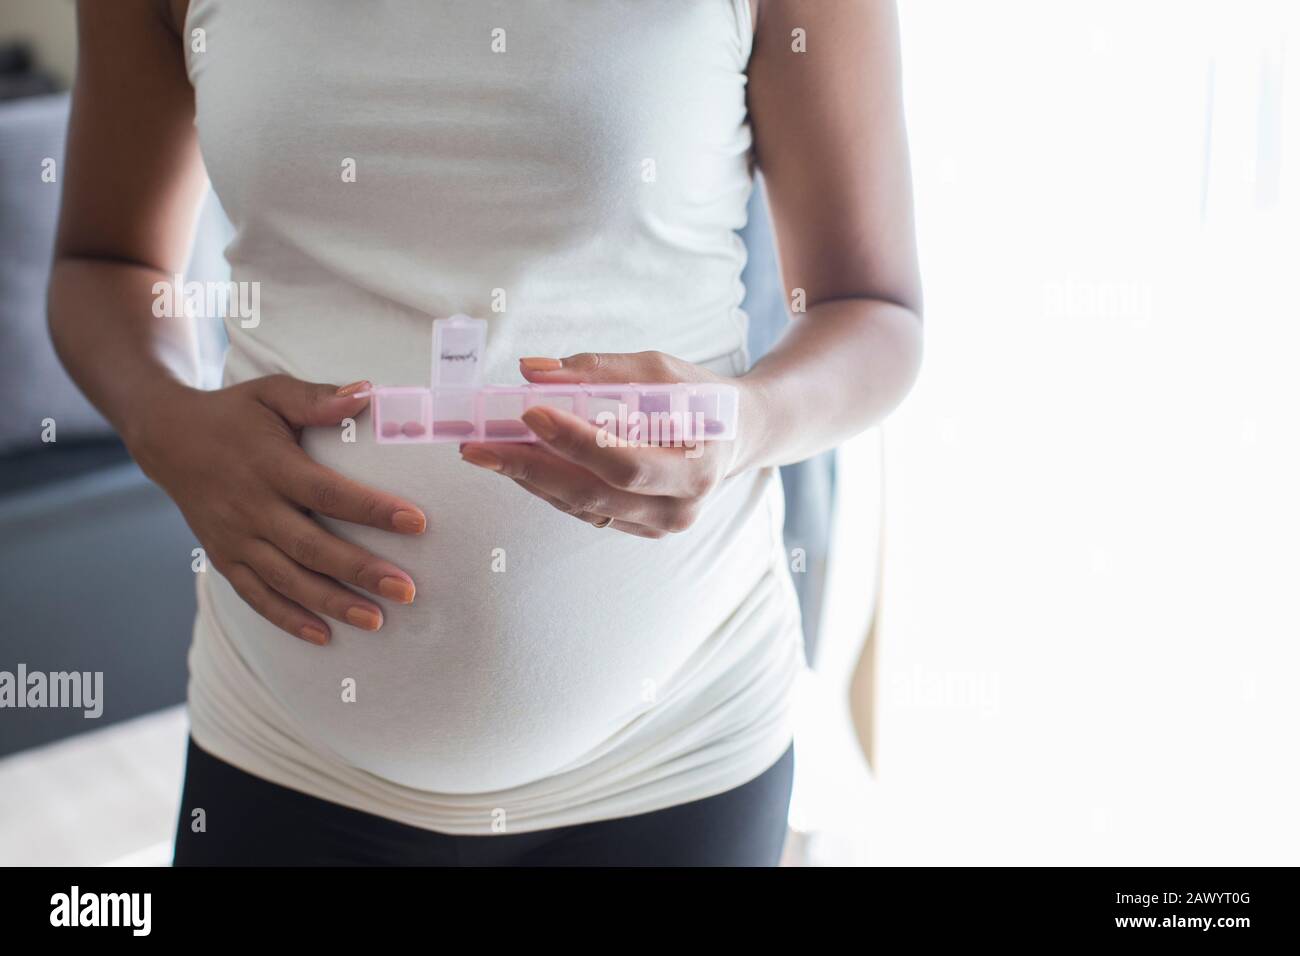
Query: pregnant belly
[534,638]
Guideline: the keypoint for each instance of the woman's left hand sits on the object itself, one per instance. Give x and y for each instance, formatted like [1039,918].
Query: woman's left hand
[643,490]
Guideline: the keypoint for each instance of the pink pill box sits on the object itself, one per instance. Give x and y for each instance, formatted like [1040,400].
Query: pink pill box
[457,408]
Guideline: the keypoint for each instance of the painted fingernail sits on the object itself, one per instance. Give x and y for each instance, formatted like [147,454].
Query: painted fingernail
[408,522]
[317,635]
[542,424]
[540,364]
[397,589]
[364,618]
[481,457]
[347,390]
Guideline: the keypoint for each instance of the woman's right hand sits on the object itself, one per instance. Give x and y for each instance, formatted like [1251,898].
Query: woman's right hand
[231,461]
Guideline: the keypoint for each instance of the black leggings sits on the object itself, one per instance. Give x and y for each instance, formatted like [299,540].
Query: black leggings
[252,822]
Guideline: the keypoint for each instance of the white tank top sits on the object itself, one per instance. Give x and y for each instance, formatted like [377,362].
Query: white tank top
[574,172]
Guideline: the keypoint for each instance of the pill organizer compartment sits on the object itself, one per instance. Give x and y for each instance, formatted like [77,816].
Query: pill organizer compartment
[663,414]
[454,414]
[714,410]
[458,346]
[401,414]
[499,412]
[611,407]
[567,398]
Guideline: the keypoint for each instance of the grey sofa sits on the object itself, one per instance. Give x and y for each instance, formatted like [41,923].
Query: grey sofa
[94,559]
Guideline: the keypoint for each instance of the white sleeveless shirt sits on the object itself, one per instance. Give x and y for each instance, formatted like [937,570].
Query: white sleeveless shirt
[574,172]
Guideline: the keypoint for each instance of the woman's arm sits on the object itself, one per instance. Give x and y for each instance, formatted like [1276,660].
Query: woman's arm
[230,458]
[132,184]
[831,143]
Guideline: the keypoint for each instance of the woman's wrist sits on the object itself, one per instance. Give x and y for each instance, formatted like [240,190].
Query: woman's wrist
[754,434]
[144,416]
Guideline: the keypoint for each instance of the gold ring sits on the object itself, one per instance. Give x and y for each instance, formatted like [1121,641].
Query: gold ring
[602,523]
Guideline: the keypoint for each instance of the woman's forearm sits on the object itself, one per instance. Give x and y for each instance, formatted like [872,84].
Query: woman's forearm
[132,184]
[839,369]
[117,351]
[830,139]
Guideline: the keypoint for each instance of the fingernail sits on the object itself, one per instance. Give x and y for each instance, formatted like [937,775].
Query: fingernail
[347,390]
[317,635]
[364,618]
[481,457]
[397,589]
[542,424]
[408,522]
[541,364]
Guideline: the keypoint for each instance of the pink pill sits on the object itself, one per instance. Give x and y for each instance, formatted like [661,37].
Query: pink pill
[412,429]
[451,427]
[505,428]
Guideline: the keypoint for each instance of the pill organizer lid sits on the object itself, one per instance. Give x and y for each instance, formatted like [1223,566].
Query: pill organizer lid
[458,346]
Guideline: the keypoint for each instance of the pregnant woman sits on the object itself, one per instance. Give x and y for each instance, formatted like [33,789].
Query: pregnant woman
[558,653]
